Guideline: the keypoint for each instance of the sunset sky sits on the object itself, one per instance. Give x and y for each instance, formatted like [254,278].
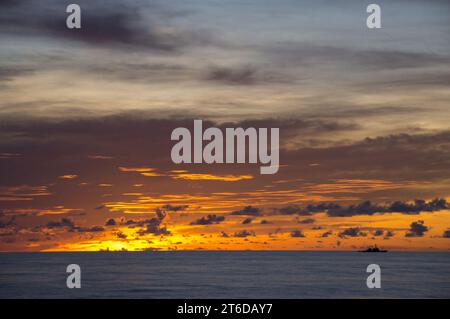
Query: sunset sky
[86,118]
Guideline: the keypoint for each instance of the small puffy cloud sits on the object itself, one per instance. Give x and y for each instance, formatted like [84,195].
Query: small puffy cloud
[446,233]
[297,234]
[153,225]
[352,232]
[378,232]
[154,230]
[208,220]
[326,234]
[307,221]
[247,221]
[244,233]
[389,234]
[110,222]
[417,229]
[121,235]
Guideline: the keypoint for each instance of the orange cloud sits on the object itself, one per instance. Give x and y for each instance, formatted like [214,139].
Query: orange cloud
[68,176]
[211,177]
[22,192]
[151,174]
[136,169]
[144,171]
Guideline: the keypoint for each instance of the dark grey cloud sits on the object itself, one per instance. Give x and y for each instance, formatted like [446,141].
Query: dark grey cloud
[389,233]
[364,208]
[111,222]
[248,210]
[446,234]
[307,53]
[326,234]
[93,229]
[65,222]
[154,225]
[417,80]
[130,222]
[306,211]
[297,234]
[368,208]
[378,232]
[352,232]
[244,233]
[140,72]
[154,230]
[244,75]
[117,24]
[417,229]
[121,235]
[291,210]
[174,208]
[8,73]
[208,220]
[68,224]
[306,126]
[307,221]
[247,221]
[385,156]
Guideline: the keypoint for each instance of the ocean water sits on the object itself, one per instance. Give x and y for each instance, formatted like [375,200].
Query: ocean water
[225,274]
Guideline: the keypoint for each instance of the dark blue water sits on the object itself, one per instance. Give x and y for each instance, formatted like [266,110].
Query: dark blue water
[220,274]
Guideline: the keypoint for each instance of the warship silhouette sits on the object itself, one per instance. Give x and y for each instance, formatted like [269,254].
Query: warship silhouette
[373,249]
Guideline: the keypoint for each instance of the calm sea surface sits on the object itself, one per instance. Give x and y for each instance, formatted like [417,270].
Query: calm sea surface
[220,274]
